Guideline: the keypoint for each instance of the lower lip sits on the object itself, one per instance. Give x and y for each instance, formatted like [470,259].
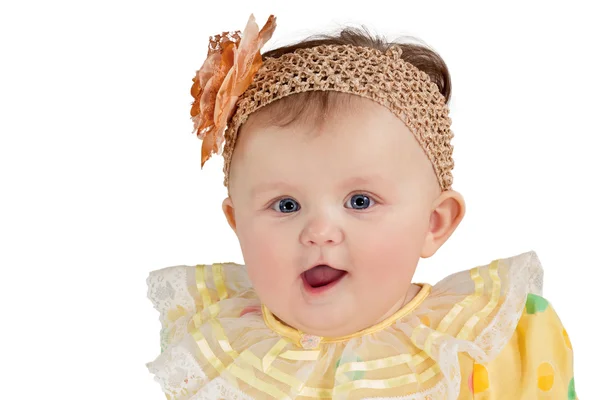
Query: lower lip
[321,289]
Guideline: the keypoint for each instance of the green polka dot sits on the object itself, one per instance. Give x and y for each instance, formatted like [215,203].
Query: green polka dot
[353,375]
[536,304]
[572,394]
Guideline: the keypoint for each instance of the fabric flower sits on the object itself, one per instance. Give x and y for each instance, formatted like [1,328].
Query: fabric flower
[230,65]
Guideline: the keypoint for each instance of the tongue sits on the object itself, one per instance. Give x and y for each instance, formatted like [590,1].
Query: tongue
[322,275]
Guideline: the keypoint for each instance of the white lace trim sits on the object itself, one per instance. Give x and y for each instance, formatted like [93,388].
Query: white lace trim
[219,388]
[494,337]
[168,290]
[178,372]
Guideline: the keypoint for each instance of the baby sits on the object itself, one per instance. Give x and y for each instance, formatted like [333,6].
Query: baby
[338,168]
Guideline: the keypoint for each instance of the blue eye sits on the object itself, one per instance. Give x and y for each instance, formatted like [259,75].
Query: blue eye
[286,205]
[359,202]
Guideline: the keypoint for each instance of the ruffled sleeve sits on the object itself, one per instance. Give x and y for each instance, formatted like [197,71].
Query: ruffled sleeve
[470,317]
[536,363]
[185,296]
[179,292]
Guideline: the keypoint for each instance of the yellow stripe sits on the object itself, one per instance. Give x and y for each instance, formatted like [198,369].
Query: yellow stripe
[478,280]
[429,373]
[387,362]
[375,383]
[197,318]
[251,380]
[317,393]
[429,341]
[222,339]
[264,365]
[247,375]
[467,329]
[387,383]
[300,355]
[214,309]
[217,271]
[207,351]
[201,285]
[451,316]
[273,353]
[273,373]
[466,302]
[418,359]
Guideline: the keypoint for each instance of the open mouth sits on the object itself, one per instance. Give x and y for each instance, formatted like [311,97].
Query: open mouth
[321,277]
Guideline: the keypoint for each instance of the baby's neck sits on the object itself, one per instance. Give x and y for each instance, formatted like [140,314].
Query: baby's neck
[413,290]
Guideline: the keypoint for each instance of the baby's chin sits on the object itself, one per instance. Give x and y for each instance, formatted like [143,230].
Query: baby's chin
[328,311]
[326,322]
[334,317]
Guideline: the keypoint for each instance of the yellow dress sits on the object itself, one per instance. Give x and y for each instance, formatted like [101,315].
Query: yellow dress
[484,333]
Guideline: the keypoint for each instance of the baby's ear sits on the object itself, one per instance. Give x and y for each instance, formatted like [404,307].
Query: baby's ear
[448,211]
[229,212]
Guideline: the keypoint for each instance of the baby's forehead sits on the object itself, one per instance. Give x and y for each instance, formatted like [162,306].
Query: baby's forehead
[363,128]
[330,160]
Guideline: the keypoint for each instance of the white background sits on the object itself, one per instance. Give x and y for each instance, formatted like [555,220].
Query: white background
[101,180]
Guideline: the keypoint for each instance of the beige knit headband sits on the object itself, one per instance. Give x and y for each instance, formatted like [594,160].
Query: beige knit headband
[246,83]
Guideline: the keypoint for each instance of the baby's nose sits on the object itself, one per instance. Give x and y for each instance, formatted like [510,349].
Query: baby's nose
[321,232]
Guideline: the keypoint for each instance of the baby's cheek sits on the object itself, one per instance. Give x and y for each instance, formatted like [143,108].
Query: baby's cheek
[262,247]
[391,254]
[391,243]
[266,258]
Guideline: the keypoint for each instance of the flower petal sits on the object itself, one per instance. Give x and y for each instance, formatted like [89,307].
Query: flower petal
[267,31]
[227,72]
[248,59]
[208,144]
[196,89]
[226,84]
[209,68]
[245,80]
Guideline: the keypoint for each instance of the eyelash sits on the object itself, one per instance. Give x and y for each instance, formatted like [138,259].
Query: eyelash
[372,202]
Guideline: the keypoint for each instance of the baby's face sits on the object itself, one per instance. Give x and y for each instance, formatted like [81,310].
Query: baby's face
[355,195]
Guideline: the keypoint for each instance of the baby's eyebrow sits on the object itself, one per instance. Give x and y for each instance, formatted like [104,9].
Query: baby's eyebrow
[371,181]
[346,183]
[267,186]
[362,180]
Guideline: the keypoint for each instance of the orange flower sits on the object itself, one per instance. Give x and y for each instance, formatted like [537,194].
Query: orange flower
[227,72]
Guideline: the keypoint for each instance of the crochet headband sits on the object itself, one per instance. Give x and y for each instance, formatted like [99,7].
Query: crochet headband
[235,81]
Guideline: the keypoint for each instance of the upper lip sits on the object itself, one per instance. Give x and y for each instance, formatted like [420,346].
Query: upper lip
[321,261]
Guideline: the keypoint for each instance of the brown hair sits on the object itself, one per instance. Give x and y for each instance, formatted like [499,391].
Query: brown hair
[317,103]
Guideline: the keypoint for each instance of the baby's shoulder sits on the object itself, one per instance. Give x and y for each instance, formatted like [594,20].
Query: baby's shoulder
[180,289]
[484,303]
[186,294]
[505,279]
